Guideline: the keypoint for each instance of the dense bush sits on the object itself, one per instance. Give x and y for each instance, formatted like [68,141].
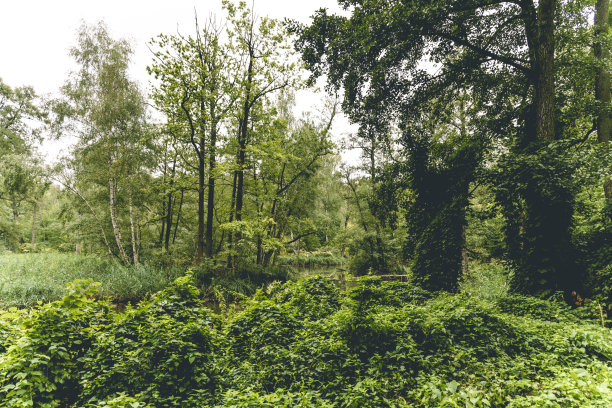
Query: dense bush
[305,344]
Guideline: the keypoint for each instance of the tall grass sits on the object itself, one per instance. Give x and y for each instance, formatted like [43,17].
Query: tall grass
[488,281]
[26,279]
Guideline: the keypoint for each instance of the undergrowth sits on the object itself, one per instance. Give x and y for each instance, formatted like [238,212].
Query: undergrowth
[26,279]
[305,344]
[310,260]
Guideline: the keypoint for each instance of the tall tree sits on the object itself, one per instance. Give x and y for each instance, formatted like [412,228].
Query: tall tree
[391,58]
[109,111]
[265,67]
[196,94]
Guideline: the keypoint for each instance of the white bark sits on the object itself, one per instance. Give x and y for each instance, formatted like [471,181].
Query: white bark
[113,215]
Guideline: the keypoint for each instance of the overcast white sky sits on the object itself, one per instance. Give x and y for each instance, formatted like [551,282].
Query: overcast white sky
[36,35]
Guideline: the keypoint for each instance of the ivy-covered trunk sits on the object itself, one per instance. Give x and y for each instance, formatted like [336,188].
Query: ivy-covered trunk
[545,260]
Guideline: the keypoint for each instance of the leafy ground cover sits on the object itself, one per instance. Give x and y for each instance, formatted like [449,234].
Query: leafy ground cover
[305,344]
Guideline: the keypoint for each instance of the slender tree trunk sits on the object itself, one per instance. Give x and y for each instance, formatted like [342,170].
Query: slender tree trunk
[113,216]
[103,233]
[293,245]
[346,221]
[602,81]
[201,186]
[212,163]
[230,238]
[220,244]
[381,262]
[162,233]
[34,211]
[132,228]
[242,140]
[466,192]
[163,213]
[464,257]
[178,216]
[170,207]
[258,259]
[15,208]
[373,261]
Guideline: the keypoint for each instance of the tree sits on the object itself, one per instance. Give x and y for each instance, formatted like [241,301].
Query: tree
[19,108]
[289,153]
[196,94]
[264,68]
[22,177]
[393,59]
[602,79]
[108,111]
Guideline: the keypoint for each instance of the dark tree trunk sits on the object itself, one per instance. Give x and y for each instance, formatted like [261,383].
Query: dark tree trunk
[230,238]
[211,192]
[201,187]
[178,216]
[170,207]
[545,262]
[242,140]
[544,72]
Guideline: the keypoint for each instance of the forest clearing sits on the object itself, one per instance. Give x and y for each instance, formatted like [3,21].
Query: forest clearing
[204,241]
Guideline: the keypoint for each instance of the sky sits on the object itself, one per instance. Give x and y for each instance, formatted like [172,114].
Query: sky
[36,36]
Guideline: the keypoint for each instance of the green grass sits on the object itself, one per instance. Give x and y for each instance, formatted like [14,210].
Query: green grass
[26,279]
[485,280]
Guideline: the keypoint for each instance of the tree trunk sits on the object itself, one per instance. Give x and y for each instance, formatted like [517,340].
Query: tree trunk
[132,228]
[602,81]
[178,216]
[162,233]
[15,208]
[242,139]
[230,238]
[103,233]
[258,259]
[34,211]
[373,260]
[170,207]
[464,257]
[113,216]
[163,213]
[212,163]
[201,179]
[544,71]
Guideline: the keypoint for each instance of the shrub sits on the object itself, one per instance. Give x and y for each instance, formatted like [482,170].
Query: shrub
[311,298]
[43,364]
[163,350]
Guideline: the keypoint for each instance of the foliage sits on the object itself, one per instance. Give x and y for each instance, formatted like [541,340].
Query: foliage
[311,260]
[306,343]
[26,279]
[41,366]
